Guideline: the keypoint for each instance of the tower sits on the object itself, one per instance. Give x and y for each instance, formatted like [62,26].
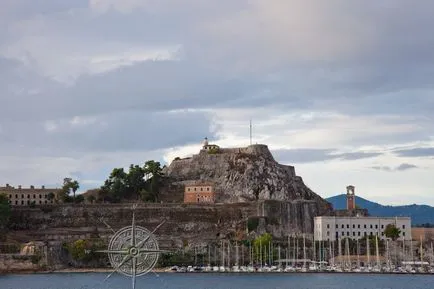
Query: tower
[205,142]
[351,198]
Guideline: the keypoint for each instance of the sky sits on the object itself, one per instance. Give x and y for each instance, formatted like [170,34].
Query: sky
[343,90]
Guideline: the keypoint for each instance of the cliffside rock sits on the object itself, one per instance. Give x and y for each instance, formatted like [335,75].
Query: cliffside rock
[242,174]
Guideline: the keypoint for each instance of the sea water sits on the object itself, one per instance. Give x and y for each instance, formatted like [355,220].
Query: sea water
[217,281]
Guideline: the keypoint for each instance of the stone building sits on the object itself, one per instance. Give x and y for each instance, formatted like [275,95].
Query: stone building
[199,193]
[209,147]
[27,196]
[330,228]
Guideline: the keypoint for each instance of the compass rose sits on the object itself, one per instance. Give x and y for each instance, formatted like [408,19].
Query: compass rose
[133,250]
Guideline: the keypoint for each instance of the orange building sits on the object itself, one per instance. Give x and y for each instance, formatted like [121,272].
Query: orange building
[199,193]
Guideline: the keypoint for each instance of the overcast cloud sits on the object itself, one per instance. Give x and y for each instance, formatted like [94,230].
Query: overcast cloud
[334,87]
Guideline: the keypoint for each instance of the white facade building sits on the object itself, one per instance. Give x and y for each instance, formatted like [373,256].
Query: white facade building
[330,228]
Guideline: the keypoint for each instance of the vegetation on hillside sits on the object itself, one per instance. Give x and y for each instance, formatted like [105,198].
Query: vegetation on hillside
[70,186]
[138,182]
[5,212]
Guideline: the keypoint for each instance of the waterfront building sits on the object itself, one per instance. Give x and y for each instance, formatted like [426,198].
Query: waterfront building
[330,228]
[30,196]
[199,193]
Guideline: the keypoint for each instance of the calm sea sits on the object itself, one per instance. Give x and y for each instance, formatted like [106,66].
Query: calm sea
[217,281]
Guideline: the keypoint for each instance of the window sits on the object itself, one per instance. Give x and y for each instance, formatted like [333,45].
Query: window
[22,196]
[207,189]
[358,226]
[364,226]
[382,233]
[354,226]
[348,233]
[354,234]
[343,233]
[348,226]
[336,226]
[371,226]
[195,189]
[22,202]
[34,196]
[40,196]
[188,189]
[328,233]
[343,226]
[403,226]
[358,233]
[403,233]
[328,226]
[382,226]
[376,226]
[10,196]
[16,196]
[40,202]
[370,234]
[28,197]
[16,202]
[45,201]
[365,234]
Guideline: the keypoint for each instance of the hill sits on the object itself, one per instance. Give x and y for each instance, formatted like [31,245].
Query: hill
[241,175]
[420,214]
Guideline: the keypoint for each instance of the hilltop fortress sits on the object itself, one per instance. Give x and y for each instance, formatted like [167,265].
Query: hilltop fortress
[239,175]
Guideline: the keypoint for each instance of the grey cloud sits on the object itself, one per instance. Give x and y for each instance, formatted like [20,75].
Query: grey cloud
[416,152]
[317,155]
[401,167]
[357,155]
[125,131]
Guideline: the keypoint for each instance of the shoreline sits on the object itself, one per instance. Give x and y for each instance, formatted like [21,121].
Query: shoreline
[165,270]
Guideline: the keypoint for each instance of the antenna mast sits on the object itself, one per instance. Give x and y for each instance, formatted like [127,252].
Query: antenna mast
[250,131]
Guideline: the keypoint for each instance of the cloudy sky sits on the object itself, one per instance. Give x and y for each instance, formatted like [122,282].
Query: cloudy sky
[341,89]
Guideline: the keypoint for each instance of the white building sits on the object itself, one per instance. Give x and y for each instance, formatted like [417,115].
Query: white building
[330,228]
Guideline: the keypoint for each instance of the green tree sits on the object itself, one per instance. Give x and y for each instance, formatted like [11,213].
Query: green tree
[50,196]
[136,180]
[5,211]
[91,199]
[392,232]
[261,244]
[154,179]
[69,185]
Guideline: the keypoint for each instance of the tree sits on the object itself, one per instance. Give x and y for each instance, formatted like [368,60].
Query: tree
[139,182]
[68,186]
[50,196]
[91,199]
[392,232]
[5,211]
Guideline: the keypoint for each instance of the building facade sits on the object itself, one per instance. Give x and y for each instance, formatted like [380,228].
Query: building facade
[30,196]
[199,193]
[331,228]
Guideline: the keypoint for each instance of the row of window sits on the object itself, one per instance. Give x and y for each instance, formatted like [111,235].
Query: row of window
[359,234]
[29,202]
[371,226]
[28,196]
[201,189]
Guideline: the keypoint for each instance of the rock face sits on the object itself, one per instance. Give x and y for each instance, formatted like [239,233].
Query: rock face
[242,174]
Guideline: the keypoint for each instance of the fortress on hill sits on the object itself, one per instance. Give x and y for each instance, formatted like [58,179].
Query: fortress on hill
[236,175]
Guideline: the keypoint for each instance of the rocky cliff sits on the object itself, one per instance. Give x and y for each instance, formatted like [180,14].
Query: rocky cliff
[242,174]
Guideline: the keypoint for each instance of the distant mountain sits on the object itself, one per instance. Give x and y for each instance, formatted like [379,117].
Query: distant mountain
[420,214]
